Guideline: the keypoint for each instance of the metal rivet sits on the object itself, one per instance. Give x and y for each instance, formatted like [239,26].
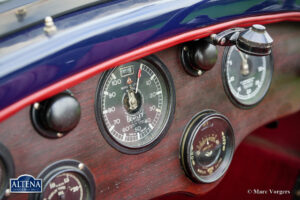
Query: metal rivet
[36,106]
[200,72]
[7,192]
[213,36]
[185,48]
[59,134]
[223,40]
[81,166]
[50,27]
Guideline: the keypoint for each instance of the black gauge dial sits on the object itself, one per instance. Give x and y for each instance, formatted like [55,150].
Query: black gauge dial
[66,179]
[207,147]
[246,78]
[135,104]
[66,186]
[7,170]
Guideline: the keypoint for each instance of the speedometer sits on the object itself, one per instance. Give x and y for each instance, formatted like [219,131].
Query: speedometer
[135,104]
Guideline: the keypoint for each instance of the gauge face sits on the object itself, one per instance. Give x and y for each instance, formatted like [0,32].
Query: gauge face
[66,186]
[246,78]
[66,179]
[135,104]
[207,147]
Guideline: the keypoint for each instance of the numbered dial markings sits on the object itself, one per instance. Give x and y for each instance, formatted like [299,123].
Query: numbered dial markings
[66,186]
[66,179]
[207,147]
[134,103]
[246,78]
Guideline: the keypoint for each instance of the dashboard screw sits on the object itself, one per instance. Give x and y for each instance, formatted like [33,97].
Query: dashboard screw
[36,106]
[7,192]
[81,166]
[59,134]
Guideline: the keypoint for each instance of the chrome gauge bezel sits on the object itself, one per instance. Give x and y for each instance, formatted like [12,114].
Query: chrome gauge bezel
[187,139]
[65,166]
[168,81]
[259,96]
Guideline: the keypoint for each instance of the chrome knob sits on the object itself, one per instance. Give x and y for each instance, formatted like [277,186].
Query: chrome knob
[255,41]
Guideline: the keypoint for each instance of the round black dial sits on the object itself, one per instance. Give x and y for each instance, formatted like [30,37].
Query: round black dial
[135,104]
[66,186]
[7,170]
[66,179]
[246,78]
[207,147]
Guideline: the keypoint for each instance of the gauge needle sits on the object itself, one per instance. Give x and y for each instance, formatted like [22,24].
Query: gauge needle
[245,67]
[132,100]
[208,154]
[138,79]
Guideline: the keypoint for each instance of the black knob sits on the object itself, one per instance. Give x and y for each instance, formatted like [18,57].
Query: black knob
[56,116]
[62,113]
[255,41]
[205,56]
[198,57]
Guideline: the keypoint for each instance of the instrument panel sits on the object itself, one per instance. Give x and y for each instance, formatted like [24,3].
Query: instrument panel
[153,172]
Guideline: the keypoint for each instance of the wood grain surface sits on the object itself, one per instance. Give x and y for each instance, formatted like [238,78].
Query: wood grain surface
[158,171]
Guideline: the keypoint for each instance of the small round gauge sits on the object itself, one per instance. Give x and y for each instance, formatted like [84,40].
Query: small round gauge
[206,147]
[66,179]
[135,104]
[7,170]
[246,78]
[66,186]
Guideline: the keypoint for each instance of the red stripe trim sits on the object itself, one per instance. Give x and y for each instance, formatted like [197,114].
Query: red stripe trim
[139,53]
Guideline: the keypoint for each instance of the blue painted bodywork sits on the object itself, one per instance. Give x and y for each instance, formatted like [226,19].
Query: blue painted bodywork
[30,61]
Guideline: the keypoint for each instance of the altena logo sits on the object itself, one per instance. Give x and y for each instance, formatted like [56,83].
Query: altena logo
[25,184]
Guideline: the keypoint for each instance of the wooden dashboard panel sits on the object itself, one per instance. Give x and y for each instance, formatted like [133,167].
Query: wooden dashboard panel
[144,176]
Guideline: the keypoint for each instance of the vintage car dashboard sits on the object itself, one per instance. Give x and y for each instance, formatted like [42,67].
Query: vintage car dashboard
[161,119]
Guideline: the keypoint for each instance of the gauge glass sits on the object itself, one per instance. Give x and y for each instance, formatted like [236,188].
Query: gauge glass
[207,147]
[66,179]
[246,78]
[67,185]
[135,104]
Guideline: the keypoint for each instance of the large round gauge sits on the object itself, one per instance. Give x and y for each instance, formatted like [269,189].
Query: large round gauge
[206,147]
[135,104]
[7,170]
[66,179]
[246,78]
